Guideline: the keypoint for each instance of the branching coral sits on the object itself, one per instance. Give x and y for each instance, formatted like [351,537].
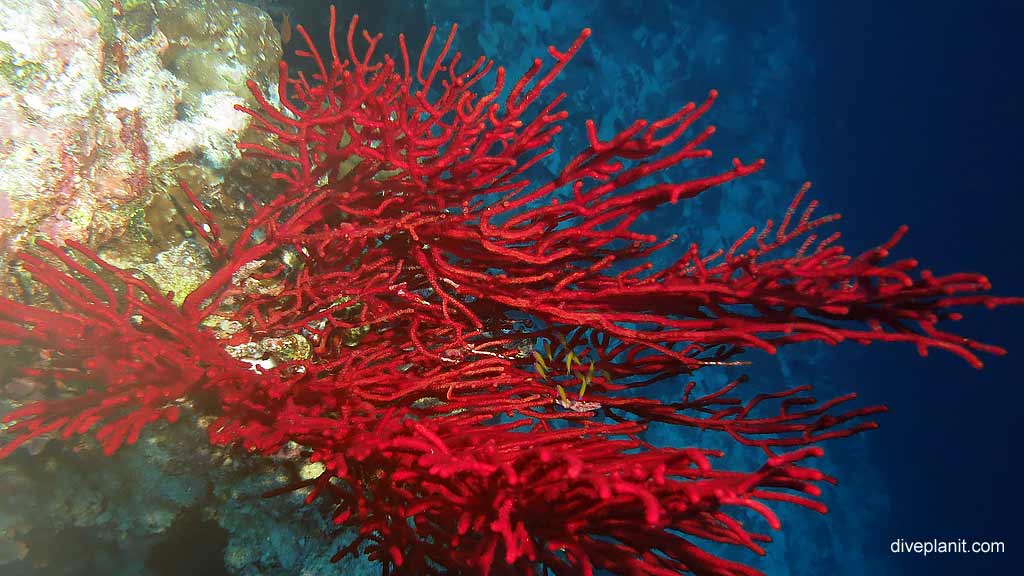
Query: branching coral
[385,312]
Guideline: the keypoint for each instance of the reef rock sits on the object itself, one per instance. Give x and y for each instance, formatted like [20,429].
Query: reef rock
[102,102]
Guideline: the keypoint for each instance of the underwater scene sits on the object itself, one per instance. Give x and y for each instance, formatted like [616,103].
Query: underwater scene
[493,287]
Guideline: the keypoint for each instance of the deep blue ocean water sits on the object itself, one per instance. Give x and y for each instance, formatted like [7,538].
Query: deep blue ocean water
[914,117]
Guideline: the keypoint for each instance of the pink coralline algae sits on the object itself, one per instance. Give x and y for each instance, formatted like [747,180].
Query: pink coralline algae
[467,351]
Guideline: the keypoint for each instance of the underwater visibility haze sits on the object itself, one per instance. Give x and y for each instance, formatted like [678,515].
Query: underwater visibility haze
[453,287]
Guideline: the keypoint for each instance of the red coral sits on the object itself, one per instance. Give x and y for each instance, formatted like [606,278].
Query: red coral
[448,301]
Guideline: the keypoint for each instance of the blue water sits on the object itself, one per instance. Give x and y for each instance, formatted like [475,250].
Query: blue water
[915,119]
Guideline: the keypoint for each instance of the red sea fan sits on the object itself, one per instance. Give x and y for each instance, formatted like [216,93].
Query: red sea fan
[467,351]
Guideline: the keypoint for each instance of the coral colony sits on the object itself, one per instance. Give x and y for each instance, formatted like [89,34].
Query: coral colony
[465,351]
